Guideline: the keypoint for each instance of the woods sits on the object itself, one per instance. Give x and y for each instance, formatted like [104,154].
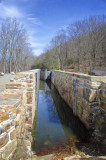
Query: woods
[81,46]
[15,52]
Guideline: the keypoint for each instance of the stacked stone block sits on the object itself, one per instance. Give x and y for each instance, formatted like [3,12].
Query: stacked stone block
[17,107]
[90,97]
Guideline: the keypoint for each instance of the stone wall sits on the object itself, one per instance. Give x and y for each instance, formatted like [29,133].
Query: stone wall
[45,75]
[86,95]
[17,111]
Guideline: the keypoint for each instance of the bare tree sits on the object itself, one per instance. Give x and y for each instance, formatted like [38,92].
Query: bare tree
[80,46]
[14,47]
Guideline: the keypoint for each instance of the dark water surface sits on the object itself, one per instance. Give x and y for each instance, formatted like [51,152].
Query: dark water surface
[56,128]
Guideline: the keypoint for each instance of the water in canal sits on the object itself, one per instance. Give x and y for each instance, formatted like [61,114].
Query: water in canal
[56,128]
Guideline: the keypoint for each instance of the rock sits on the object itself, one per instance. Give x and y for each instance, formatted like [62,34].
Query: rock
[92,95]
[30,89]
[103,95]
[46,157]
[4,138]
[6,125]
[13,133]
[28,127]
[31,76]
[77,157]
[12,73]
[29,101]
[80,91]
[94,85]
[8,149]
[1,74]
[103,105]
[3,116]
[11,80]
[29,120]
[17,120]
[18,132]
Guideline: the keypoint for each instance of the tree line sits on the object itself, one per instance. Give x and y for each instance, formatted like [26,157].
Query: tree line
[81,46]
[15,51]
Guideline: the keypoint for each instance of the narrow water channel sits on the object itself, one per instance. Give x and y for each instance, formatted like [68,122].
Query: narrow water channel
[56,128]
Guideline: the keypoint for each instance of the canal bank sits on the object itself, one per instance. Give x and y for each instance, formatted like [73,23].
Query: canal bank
[18,104]
[17,111]
[57,130]
[86,96]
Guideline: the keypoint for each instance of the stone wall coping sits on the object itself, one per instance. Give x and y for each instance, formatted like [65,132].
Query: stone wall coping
[29,72]
[85,76]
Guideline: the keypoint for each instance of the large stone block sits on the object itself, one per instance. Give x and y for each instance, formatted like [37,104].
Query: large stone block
[30,84]
[29,94]
[13,133]
[103,105]
[17,119]
[29,108]
[8,150]
[29,120]
[93,85]
[29,101]
[86,93]
[92,95]
[103,95]
[28,127]
[4,138]
[30,89]
[80,91]
[18,132]
[31,76]
[3,116]
[1,129]
[6,124]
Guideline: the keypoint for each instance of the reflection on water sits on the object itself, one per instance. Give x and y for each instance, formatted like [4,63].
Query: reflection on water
[57,128]
[71,124]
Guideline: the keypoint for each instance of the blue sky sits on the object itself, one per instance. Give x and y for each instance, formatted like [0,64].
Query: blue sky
[42,18]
